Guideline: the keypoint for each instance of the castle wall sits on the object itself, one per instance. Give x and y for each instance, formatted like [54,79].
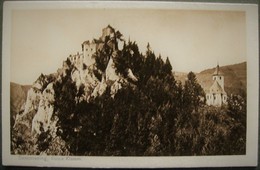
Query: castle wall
[76,59]
[89,49]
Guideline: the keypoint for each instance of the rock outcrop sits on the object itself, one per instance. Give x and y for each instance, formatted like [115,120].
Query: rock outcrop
[37,112]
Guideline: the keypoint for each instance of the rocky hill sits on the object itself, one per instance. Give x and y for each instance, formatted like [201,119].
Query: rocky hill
[235,78]
[92,73]
[112,100]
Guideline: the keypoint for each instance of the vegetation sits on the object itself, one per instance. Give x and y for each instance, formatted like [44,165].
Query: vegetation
[156,117]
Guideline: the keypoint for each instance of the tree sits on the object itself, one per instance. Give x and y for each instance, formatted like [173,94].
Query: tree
[149,64]
[102,58]
[129,58]
[237,109]
[64,108]
[103,55]
[193,94]
[167,68]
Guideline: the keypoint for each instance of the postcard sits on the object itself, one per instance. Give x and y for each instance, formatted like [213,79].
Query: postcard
[130,84]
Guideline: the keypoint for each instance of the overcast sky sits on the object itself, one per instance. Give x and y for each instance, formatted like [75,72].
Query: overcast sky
[193,40]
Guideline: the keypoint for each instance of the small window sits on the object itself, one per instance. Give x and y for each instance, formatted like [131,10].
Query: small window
[86,49]
[91,49]
[220,78]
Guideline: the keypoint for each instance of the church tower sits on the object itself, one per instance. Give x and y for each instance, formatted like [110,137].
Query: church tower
[216,95]
[219,77]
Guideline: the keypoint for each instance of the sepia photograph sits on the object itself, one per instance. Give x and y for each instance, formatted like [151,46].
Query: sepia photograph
[130,81]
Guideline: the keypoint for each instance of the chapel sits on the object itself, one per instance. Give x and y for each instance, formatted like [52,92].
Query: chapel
[216,96]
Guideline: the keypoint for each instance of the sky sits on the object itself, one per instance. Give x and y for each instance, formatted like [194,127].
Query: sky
[193,40]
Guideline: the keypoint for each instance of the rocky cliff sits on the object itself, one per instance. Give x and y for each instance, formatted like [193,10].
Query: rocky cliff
[36,114]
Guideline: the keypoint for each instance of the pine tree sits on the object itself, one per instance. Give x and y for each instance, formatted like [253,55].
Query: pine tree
[193,95]
[129,58]
[167,68]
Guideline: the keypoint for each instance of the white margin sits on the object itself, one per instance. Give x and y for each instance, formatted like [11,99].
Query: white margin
[250,159]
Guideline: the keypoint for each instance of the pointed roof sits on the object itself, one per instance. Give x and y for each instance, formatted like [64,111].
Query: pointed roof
[216,88]
[217,71]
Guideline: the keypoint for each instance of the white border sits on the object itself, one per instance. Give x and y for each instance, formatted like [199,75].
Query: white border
[250,159]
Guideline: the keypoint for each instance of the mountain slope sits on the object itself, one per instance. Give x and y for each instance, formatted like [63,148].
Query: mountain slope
[18,97]
[234,78]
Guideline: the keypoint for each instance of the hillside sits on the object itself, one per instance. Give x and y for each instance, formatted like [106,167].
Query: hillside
[235,78]
[18,98]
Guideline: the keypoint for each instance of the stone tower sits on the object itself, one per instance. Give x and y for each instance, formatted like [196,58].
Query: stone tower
[88,50]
